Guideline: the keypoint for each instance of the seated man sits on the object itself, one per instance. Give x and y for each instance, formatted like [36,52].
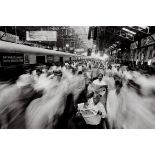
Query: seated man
[96,109]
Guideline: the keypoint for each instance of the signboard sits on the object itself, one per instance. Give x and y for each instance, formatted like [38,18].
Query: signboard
[9,37]
[79,50]
[50,58]
[147,41]
[27,59]
[11,59]
[41,35]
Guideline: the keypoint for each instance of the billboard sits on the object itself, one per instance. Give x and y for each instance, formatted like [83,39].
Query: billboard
[41,35]
[9,37]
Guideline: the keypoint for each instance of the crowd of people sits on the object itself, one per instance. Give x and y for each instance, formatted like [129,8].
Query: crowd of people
[85,94]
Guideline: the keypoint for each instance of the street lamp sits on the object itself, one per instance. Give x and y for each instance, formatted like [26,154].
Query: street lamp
[67,45]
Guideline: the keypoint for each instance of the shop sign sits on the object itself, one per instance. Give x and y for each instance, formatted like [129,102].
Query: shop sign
[50,58]
[11,59]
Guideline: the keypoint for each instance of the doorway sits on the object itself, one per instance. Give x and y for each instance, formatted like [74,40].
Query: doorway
[61,60]
[40,59]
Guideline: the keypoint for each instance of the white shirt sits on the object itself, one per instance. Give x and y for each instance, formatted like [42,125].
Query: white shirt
[42,82]
[95,72]
[59,68]
[149,62]
[137,62]
[90,88]
[88,74]
[98,82]
[80,68]
[24,80]
[127,75]
[98,107]
[53,68]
